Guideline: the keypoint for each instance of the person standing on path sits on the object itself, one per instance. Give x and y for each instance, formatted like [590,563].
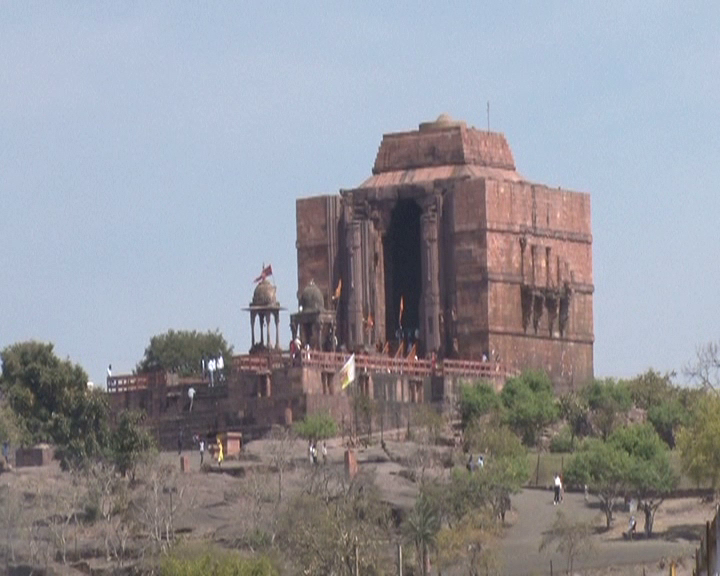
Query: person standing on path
[202,451]
[324,452]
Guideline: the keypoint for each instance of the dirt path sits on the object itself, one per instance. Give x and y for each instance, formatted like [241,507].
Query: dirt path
[534,513]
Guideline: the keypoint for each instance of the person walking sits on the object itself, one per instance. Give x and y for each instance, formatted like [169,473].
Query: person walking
[221,456]
[202,451]
[557,488]
[324,452]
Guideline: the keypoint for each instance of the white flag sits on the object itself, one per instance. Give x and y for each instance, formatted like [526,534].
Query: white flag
[347,372]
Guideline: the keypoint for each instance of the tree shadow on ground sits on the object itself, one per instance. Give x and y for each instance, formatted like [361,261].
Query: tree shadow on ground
[689,532]
[678,533]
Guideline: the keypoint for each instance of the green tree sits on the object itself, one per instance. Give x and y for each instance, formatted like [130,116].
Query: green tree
[699,442]
[9,428]
[608,400]
[667,417]
[604,469]
[575,411]
[530,404]
[650,476]
[421,528]
[651,389]
[316,427]
[130,443]
[504,472]
[52,403]
[182,351]
[80,429]
[37,384]
[477,399]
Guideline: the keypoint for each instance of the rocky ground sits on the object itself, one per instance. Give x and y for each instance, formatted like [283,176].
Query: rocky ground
[221,504]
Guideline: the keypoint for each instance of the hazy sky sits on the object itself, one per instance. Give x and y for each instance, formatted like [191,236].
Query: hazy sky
[151,153]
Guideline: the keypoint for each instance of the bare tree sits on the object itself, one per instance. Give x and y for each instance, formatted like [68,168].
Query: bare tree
[336,525]
[281,444]
[10,519]
[705,369]
[156,503]
[63,506]
[571,539]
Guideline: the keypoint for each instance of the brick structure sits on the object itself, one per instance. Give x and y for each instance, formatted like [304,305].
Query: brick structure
[445,254]
[40,455]
[447,246]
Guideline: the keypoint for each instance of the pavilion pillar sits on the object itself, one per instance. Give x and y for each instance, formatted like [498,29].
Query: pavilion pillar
[277,330]
[252,329]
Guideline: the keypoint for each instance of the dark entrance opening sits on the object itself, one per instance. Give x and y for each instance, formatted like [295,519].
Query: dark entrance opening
[402,271]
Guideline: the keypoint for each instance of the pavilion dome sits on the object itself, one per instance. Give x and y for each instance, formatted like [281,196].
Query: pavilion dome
[311,299]
[264,295]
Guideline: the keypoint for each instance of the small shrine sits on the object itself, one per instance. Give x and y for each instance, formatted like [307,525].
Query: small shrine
[312,324]
[264,308]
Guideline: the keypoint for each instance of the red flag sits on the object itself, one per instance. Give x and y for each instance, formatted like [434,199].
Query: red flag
[266,271]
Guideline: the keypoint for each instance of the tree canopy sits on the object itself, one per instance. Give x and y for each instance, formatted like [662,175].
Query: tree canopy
[634,461]
[130,443]
[604,469]
[699,442]
[530,404]
[182,351]
[52,403]
[608,400]
[477,399]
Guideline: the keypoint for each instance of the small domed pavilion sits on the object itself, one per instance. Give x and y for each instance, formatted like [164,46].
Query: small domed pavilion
[264,306]
[312,323]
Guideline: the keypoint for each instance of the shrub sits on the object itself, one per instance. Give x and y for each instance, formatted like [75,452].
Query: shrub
[316,427]
[476,400]
[215,561]
[562,441]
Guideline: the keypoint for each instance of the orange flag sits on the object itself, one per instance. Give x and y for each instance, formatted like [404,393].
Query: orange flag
[338,290]
[402,309]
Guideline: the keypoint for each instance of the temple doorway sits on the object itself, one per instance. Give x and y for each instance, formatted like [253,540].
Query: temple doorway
[401,251]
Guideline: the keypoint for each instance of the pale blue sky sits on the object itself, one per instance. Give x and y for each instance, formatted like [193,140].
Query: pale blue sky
[151,153]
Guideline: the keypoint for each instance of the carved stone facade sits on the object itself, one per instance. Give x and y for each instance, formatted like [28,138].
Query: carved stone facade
[447,246]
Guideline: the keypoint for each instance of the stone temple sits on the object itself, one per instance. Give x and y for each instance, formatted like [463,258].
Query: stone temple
[445,266]
[484,263]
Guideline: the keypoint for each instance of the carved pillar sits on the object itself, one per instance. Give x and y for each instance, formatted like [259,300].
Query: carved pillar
[252,329]
[261,316]
[355,313]
[430,282]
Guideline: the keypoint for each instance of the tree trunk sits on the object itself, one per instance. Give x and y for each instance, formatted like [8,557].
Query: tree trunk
[649,511]
[607,508]
[425,560]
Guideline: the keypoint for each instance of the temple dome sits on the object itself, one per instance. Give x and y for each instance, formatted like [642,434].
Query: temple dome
[264,295]
[311,299]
